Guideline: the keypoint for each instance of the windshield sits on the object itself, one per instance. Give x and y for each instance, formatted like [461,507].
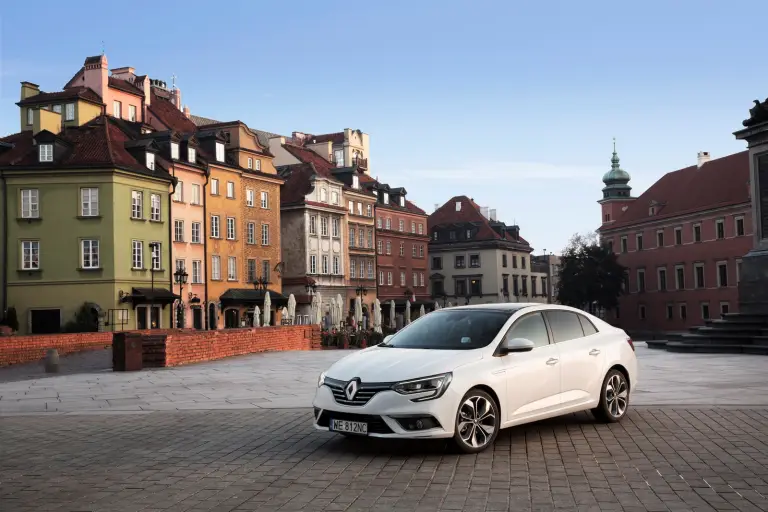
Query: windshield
[451,329]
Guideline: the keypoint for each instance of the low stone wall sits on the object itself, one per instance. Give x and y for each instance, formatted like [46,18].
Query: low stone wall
[24,349]
[194,347]
[171,347]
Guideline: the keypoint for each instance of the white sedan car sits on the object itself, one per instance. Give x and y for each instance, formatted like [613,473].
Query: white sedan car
[467,372]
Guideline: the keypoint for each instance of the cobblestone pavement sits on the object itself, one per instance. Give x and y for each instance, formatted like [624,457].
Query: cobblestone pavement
[266,460]
[287,380]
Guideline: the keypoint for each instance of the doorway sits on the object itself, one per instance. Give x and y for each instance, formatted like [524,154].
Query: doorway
[212,321]
[197,318]
[45,321]
[231,319]
[141,318]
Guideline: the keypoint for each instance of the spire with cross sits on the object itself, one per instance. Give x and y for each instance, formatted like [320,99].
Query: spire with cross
[173,80]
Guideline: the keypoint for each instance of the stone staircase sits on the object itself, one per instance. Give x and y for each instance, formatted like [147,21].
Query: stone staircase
[734,333]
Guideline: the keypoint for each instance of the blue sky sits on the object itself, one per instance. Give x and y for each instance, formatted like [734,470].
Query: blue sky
[512,103]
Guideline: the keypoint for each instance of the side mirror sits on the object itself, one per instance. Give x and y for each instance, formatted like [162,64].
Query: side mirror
[387,338]
[509,346]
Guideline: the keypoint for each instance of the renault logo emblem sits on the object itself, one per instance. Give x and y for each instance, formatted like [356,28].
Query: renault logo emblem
[351,389]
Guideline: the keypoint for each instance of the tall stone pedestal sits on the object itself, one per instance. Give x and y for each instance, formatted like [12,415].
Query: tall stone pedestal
[747,330]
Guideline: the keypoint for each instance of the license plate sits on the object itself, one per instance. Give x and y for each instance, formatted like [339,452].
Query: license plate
[351,427]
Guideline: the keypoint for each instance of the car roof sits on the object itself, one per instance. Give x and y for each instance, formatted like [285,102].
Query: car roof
[510,307]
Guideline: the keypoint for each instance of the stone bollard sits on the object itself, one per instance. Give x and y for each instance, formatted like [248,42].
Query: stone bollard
[52,361]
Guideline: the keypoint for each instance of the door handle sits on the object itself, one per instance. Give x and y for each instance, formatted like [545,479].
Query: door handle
[552,361]
[594,352]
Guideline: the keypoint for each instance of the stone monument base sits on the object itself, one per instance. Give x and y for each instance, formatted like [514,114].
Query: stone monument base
[753,283]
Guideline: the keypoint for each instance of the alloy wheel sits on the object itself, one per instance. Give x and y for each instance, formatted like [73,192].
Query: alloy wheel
[616,395]
[477,421]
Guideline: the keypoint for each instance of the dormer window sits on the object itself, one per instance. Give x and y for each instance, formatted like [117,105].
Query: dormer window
[250,163]
[150,161]
[355,182]
[191,156]
[386,197]
[30,116]
[402,201]
[46,152]
[219,152]
[458,206]
[652,210]
[174,151]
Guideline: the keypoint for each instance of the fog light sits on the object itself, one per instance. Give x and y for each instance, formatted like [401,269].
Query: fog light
[414,423]
[419,424]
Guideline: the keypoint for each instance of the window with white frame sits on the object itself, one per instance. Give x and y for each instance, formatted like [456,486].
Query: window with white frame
[361,238]
[370,269]
[197,232]
[351,207]
[352,268]
[257,164]
[402,225]
[369,210]
[380,247]
[402,278]
[323,226]
[389,247]
[335,227]
[219,152]
[351,236]
[178,193]
[46,152]
[215,226]
[415,279]
[413,250]
[312,224]
[30,203]
[421,228]
[338,157]
[389,223]
[251,234]
[195,194]
[370,239]
[214,186]
[334,197]
[150,161]
[265,266]
[132,114]
[722,274]
[30,254]
[250,197]
[324,261]
[724,308]
[178,230]
[720,229]
[69,112]
[421,279]
[57,109]
[250,163]
[680,277]
[355,181]
[421,251]
[312,264]
[155,207]
[230,190]
[89,202]
[117,109]
[232,268]
[378,223]
[251,272]
[30,115]
[156,249]
[739,228]
[197,275]
[362,269]
[402,201]
[336,265]
[89,254]
[323,195]
[640,280]
[413,227]
[191,155]
[137,254]
[698,274]
[389,278]
[386,197]
[381,278]
[231,228]
[265,199]
[216,268]
[265,234]
[360,209]
[175,150]
[137,204]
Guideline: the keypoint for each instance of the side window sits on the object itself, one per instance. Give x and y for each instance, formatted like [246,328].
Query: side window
[530,327]
[587,326]
[565,325]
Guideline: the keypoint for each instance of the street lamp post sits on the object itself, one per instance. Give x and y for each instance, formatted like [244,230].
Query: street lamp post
[180,277]
[152,247]
[361,291]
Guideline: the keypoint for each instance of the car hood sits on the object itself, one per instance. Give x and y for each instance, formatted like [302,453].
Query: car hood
[376,364]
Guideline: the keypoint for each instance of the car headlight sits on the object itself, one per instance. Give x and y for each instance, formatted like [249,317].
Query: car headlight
[321,380]
[434,385]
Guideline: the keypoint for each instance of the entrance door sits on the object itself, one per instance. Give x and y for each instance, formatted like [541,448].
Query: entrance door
[212,321]
[155,318]
[231,319]
[141,318]
[45,321]
[197,318]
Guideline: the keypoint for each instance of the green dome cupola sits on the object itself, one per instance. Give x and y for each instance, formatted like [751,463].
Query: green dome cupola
[616,180]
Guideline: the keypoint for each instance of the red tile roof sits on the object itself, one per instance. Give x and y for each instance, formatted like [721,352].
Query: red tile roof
[167,113]
[84,93]
[468,213]
[22,144]
[336,138]
[322,166]
[125,86]
[409,206]
[717,183]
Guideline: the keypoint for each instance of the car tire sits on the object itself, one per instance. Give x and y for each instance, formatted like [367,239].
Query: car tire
[613,404]
[478,412]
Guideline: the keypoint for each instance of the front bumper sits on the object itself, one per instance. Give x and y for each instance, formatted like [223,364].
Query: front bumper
[383,411]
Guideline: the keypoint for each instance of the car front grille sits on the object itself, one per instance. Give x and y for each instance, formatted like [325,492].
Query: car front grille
[376,425]
[365,392]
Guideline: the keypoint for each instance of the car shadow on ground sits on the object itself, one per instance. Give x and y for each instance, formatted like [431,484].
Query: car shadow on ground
[89,361]
[408,447]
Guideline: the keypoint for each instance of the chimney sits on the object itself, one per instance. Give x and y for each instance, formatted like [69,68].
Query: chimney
[29,89]
[484,211]
[703,158]
[492,214]
[96,74]
[186,111]
[125,73]
[176,97]
[436,206]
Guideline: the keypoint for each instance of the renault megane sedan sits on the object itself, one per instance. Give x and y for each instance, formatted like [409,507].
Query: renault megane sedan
[467,372]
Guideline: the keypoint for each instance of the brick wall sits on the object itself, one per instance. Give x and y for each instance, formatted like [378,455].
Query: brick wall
[180,346]
[185,348]
[23,349]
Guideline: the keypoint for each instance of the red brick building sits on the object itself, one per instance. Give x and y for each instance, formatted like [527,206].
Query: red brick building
[682,241]
[402,245]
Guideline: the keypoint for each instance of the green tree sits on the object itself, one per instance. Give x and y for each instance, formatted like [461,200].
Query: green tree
[590,274]
[11,319]
[84,320]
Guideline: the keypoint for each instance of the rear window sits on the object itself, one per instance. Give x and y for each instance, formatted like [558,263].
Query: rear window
[565,325]
[587,325]
[451,329]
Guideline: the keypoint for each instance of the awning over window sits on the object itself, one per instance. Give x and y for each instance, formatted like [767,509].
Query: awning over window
[161,296]
[251,297]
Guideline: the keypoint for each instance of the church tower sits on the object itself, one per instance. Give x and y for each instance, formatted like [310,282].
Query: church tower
[616,193]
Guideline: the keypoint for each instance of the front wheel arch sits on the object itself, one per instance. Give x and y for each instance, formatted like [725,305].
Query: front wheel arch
[490,391]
